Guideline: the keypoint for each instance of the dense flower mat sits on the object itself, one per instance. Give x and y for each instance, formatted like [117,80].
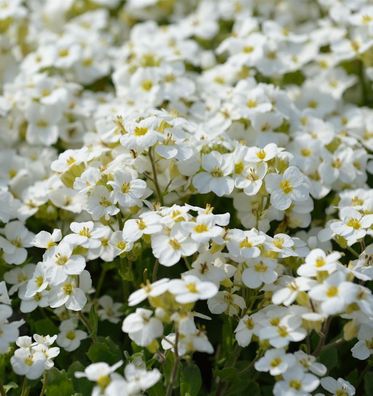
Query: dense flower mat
[184,197]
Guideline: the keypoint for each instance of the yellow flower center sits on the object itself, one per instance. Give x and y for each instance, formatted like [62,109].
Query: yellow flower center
[125,188]
[175,244]
[261,267]
[147,85]
[199,228]
[251,103]
[103,381]
[140,131]
[192,287]
[354,223]
[320,262]
[282,331]
[295,384]
[332,291]
[85,232]
[246,244]
[39,280]
[68,289]
[70,335]
[60,259]
[286,186]
[276,362]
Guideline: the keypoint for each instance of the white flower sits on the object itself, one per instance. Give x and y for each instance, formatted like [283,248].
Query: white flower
[288,329]
[334,294]
[317,260]
[353,225]
[100,203]
[337,386]
[19,237]
[101,373]
[148,224]
[142,327]
[226,301]
[39,281]
[139,379]
[45,240]
[215,175]
[265,154]
[148,290]
[252,177]
[296,382]
[32,359]
[141,135]
[71,292]
[28,363]
[63,262]
[86,235]
[9,330]
[364,347]
[259,271]
[209,267]
[204,229]
[169,248]
[190,289]
[309,363]
[128,191]
[109,310]
[245,330]
[276,361]
[288,288]
[244,245]
[290,187]
[70,337]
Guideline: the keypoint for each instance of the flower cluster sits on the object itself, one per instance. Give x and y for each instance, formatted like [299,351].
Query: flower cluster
[186,187]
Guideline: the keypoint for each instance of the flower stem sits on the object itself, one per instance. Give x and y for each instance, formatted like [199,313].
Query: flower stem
[155,179]
[2,390]
[44,387]
[25,389]
[155,271]
[87,325]
[323,336]
[175,367]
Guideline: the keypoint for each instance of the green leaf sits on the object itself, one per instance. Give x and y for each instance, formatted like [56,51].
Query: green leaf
[190,380]
[93,320]
[227,373]
[44,327]
[125,270]
[104,350]
[81,385]
[11,385]
[157,389]
[58,383]
[242,387]
[368,383]
[329,358]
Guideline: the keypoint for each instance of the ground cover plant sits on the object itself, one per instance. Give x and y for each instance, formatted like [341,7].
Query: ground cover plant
[185,197]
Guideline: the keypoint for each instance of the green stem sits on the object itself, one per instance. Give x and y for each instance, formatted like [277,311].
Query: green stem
[323,336]
[155,179]
[155,271]
[100,281]
[2,390]
[353,251]
[25,389]
[363,82]
[175,367]
[87,325]
[44,387]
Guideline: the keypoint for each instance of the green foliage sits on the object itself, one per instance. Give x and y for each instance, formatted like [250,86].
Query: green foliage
[59,383]
[104,350]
